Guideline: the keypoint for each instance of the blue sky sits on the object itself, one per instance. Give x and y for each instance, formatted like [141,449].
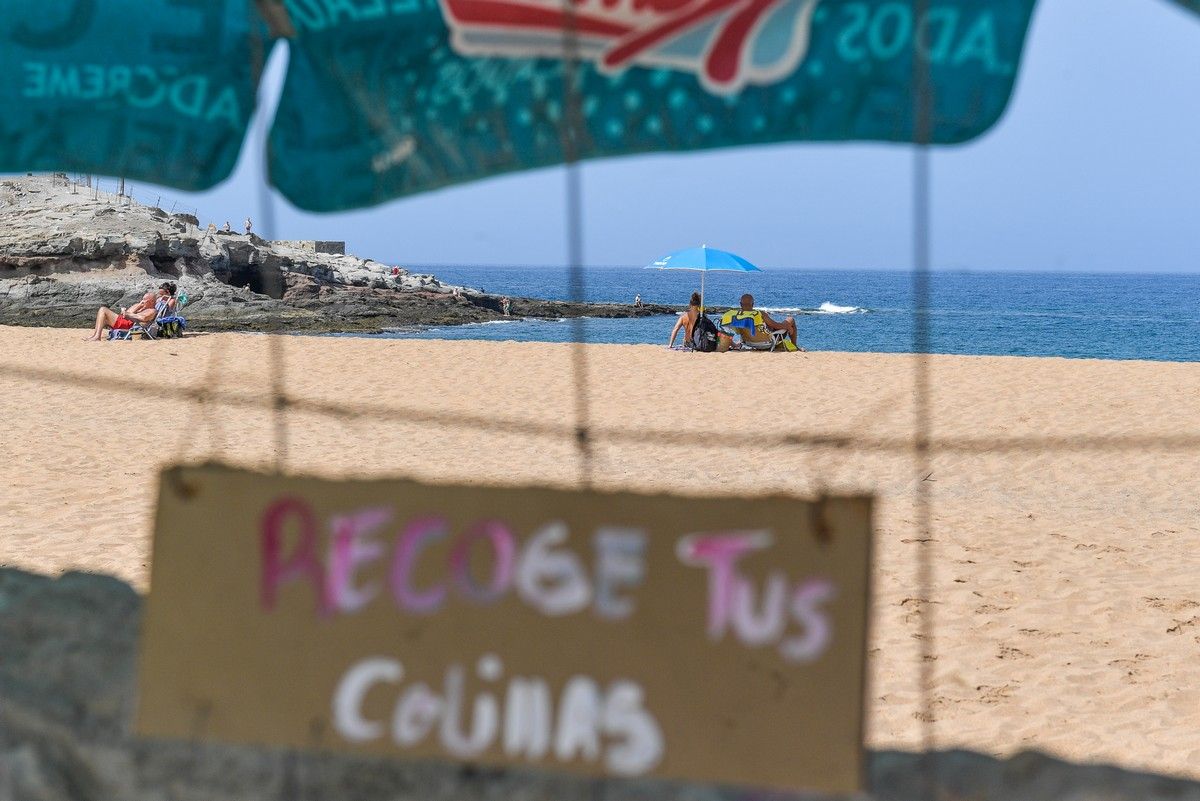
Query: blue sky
[1095,167]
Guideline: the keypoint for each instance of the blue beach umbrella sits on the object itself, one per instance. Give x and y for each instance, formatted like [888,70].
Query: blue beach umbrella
[704,259]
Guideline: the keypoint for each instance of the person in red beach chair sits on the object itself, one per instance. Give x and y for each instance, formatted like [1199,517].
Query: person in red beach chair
[141,312]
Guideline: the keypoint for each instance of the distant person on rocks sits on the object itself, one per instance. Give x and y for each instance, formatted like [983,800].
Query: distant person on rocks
[686,321]
[506,306]
[141,312]
[637,301]
[227,228]
[249,225]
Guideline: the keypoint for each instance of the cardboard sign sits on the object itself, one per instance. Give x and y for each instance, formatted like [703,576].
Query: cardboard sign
[606,634]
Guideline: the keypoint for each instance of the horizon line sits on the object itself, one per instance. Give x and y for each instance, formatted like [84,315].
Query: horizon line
[1099,272]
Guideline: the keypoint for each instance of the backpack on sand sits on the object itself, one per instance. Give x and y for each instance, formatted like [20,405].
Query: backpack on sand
[704,335]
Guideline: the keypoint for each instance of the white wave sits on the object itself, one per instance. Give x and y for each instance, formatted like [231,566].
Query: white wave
[826,308]
[833,308]
[473,324]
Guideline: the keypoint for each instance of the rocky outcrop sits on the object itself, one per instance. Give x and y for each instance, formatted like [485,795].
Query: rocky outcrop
[66,250]
[68,689]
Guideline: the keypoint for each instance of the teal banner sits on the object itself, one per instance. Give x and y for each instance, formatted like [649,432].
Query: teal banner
[155,90]
[386,98]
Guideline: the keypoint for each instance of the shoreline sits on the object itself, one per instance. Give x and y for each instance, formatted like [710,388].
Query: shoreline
[398,335]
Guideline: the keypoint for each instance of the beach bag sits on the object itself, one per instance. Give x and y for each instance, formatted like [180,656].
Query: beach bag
[170,329]
[704,335]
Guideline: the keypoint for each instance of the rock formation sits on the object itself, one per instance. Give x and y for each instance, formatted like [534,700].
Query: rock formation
[66,249]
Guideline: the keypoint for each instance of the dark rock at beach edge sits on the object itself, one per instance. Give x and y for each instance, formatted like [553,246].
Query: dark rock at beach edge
[307,306]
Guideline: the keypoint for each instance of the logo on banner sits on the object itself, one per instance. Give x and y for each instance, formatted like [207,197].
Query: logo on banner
[727,44]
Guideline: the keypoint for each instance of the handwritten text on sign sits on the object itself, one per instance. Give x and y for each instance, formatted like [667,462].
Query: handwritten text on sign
[615,634]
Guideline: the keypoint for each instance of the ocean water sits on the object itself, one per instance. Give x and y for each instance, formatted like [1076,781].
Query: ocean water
[1107,316]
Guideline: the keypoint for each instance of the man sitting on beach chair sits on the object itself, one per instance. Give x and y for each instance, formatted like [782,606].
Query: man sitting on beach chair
[756,329]
[166,323]
[140,313]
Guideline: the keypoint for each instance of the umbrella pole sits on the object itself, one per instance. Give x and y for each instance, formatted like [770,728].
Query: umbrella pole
[702,291]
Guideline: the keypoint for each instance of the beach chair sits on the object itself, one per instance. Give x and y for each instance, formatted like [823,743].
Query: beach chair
[173,325]
[753,333]
[167,323]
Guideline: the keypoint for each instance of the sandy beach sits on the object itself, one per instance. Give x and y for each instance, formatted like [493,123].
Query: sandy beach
[1067,616]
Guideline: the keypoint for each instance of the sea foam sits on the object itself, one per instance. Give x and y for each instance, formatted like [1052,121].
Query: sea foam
[825,308]
[833,308]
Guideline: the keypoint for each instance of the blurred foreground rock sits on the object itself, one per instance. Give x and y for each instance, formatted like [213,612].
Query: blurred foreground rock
[67,659]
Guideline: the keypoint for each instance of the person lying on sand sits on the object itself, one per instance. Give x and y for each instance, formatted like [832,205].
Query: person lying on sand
[686,321]
[141,312]
[747,305]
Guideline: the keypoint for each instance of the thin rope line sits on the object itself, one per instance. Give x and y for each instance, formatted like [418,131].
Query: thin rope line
[922,408]
[922,447]
[279,402]
[571,130]
[205,414]
[491,423]
[275,344]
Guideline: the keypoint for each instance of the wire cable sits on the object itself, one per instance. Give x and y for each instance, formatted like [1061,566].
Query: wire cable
[272,279]
[1085,443]
[571,130]
[922,108]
